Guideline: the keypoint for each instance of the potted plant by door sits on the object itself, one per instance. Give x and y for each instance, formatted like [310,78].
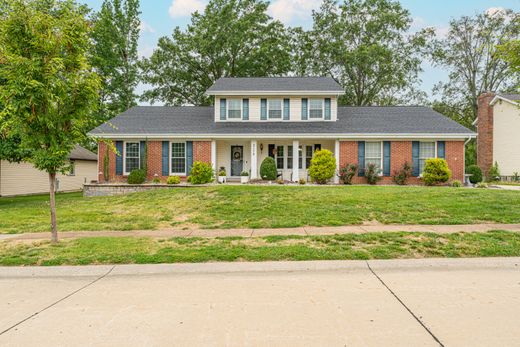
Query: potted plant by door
[244,177]
[222,175]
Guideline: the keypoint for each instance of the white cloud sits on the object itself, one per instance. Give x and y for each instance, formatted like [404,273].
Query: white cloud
[146,28]
[288,11]
[184,8]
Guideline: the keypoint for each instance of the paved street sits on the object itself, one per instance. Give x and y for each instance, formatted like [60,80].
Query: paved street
[473,302]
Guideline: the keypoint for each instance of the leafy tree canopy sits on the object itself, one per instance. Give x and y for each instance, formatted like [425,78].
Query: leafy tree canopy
[232,38]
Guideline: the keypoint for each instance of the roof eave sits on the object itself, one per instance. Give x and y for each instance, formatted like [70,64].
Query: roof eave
[274,93]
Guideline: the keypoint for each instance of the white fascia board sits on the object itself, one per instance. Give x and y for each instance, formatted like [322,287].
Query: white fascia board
[275,93]
[498,97]
[286,136]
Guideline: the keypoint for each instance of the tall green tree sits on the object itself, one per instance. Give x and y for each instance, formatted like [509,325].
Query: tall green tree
[49,88]
[232,38]
[365,45]
[469,52]
[510,53]
[115,56]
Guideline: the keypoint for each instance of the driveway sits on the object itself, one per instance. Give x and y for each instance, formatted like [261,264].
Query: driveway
[466,302]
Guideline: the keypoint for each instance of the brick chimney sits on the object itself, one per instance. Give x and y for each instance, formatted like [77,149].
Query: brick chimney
[485,131]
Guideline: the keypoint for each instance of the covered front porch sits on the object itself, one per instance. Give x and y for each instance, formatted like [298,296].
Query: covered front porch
[292,156]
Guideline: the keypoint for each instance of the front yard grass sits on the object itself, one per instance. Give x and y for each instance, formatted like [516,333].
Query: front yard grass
[262,207]
[128,250]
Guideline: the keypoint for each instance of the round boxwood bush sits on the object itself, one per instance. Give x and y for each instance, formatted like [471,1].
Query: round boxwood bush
[173,180]
[436,171]
[268,169]
[137,177]
[201,173]
[323,166]
[476,174]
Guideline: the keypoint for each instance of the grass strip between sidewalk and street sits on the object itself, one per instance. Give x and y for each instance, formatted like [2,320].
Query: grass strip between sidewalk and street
[144,250]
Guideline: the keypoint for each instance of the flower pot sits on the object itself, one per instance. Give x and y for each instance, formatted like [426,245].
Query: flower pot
[221,179]
[244,179]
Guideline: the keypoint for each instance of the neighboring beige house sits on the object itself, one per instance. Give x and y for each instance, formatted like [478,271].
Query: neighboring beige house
[498,138]
[24,179]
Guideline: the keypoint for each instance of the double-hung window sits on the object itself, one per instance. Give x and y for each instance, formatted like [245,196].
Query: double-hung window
[132,156]
[289,157]
[275,108]
[373,154]
[308,156]
[234,109]
[279,157]
[315,108]
[178,153]
[426,151]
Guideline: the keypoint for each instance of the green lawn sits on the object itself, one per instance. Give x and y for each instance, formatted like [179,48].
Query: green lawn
[262,206]
[128,250]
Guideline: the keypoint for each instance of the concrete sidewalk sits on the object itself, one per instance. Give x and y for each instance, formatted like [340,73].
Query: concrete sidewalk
[351,229]
[428,302]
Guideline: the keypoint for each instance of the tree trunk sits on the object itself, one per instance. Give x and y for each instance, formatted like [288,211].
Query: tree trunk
[54,229]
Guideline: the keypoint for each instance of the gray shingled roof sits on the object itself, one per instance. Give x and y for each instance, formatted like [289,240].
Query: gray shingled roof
[510,96]
[275,84]
[80,153]
[192,120]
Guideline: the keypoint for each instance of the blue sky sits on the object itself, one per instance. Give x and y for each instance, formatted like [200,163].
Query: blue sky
[159,17]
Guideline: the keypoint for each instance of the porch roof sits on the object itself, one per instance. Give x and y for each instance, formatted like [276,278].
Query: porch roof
[199,121]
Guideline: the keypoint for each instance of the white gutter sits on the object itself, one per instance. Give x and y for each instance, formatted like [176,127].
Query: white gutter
[498,97]
[276,93]
[296,136]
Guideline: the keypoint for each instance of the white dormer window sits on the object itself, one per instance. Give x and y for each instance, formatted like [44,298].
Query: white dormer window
[275,108]
[234,109]
[316,109]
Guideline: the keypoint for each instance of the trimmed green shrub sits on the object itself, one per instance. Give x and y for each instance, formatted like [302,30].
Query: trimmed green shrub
[372,173]
[401,176]
[201,173]
[493,173]
[456,184]
[323,166]
[476,174]
[244,173]
[268,169]
[347,172]
[173,180]
[436,171]
[137,176]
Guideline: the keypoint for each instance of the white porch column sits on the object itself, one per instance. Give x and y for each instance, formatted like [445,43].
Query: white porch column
[214,156]
[296,168]
[336,154]
[254,160]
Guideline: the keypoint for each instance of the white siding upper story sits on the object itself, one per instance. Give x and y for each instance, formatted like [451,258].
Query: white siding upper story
[295,107]
[506,137]
[24,179]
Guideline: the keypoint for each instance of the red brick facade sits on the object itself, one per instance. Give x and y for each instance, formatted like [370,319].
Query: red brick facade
[485,132]
[201,152]
[401,152]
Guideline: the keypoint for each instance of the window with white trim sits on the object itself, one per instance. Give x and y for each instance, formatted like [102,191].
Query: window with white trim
[373,155]
[289,157]
[274,107]
[72,168]
[426,151]
[309,152]
[234,109]
[279,157]
[132,156]
[178,158]
[315,108]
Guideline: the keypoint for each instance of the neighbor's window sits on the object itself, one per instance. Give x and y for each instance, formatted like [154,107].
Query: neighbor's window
[72,168]
[316,108]
[279,157]
[178,158]
[275,108]
[426,151]
[373,154]
[308,156]
[289,157]
[131,156]
[234,108]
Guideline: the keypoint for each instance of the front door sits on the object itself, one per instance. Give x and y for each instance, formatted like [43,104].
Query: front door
[237,160]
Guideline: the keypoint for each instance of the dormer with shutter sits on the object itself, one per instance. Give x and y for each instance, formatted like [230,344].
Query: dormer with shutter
[276,99]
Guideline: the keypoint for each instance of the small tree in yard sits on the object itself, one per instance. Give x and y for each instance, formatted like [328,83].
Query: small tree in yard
[48,90]
[323,166]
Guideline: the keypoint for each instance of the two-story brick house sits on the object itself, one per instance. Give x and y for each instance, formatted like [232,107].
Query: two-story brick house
[287,118]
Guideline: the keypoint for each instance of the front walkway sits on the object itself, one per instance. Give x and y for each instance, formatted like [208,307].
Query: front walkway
[351,229]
